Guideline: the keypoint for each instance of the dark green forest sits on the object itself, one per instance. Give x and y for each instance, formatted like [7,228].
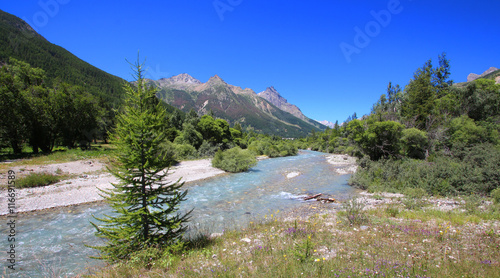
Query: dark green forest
[430,135]
[19,41]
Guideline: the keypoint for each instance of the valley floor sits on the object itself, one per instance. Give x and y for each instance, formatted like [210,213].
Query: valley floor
[86,178]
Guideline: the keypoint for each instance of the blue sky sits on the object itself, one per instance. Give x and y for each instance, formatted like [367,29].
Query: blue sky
[312,52]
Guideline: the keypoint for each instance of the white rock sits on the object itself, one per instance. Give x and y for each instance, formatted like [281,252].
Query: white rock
[292,175]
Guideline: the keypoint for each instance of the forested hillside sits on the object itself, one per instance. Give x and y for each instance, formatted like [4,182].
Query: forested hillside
[18,40]
[432,136]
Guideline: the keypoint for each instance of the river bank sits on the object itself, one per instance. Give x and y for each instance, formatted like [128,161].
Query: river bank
[88,176]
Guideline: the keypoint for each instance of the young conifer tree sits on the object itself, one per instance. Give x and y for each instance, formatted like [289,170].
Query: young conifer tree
[145,207]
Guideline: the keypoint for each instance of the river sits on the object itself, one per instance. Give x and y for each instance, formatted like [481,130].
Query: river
[52,242]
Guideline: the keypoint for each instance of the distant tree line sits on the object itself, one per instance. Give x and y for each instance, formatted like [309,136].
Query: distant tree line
[432,135]
[44,116]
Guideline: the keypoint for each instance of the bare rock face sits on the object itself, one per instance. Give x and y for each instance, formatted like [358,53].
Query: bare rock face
[327,123]
[497,80]
[473,76]
[271,95]
[182,81]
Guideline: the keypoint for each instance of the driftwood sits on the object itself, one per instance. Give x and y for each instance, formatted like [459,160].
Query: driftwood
[312,197]
[325,200]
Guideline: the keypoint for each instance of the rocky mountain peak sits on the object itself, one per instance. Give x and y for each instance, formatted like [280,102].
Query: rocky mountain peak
[272,95]
[182,78]
[327,123]
[215,79]
[473,76]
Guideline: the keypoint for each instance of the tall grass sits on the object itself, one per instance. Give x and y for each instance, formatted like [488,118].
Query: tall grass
[58,156]
[323,245]
[36,180]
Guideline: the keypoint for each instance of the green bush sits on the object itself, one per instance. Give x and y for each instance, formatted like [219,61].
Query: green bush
[353,212]
[414,143]
[495,194]
[234,160]
[392,210]
[472,170]
[208,149]
[185,151]
[37,179]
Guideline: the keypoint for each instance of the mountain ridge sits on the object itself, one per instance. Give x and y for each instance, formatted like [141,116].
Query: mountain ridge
[473,76]
[20,41]
[232,103]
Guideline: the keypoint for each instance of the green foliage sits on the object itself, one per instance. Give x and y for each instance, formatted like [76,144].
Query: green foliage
[19,41]
[381,140]
[36,180]
[392,210]
[272,148]
[427,85]
[234,160]
[208,149]
[185,151]
[353,213]
[495,194]
[303,250]
[472,203]
[144,205]
[455,129]
[475,171]
[463,131]
[156,257]
[414,198]
[43,115]
[480,99]
[414,143]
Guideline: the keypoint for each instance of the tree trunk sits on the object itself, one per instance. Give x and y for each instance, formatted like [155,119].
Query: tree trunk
[312,197]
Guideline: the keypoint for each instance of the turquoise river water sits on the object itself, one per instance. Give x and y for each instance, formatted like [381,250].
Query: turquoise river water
[52,243]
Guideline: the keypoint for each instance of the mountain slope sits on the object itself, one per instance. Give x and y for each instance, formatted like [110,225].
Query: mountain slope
[231,103]
[18,40]
[271,95]
[492,73]
[473,76]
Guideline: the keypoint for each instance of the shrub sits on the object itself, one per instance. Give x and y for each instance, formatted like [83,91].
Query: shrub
[234,160]
[472,170]
[185,151]
[413,198]
[392,210]
[353,212]
[37,179]
[208,149]
[495,194]
[414,143]
[472,203]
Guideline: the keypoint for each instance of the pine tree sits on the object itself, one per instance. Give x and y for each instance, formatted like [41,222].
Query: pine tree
[145,207]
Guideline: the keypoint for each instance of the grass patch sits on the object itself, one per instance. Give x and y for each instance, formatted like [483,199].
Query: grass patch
[36,180]
[323,246]
[60,155]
